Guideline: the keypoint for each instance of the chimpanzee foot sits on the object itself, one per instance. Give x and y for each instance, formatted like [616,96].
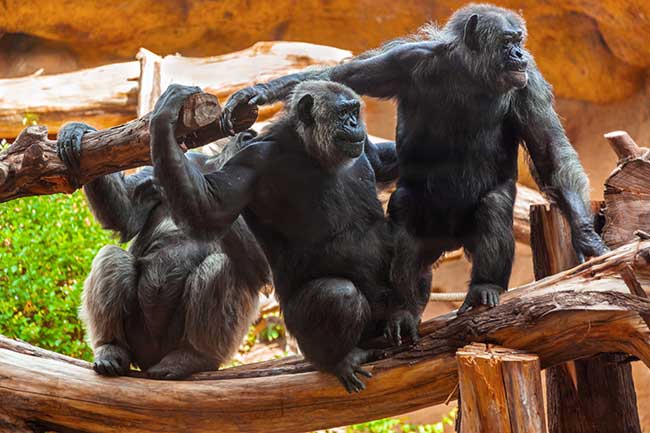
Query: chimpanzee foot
[481,294]
[111,360]
[348,368]
[180,364]
[401,323]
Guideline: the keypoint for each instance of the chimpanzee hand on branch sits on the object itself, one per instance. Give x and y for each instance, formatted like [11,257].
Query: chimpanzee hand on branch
[68,145]
[253,95]
[168,106]
[587,243]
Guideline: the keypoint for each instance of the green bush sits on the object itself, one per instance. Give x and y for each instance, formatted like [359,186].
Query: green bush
[46,246]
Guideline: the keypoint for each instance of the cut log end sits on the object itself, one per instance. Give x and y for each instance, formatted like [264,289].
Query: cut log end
[623,145]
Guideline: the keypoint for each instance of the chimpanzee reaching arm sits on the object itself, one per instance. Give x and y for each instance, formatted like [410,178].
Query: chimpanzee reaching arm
[381,75]
[555,164]
[120,203]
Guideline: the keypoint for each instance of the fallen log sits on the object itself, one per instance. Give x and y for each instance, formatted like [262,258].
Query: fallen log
[109,95]
[30,166]
[574,314]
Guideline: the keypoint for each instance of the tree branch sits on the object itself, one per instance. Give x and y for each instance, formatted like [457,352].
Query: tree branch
[577,313]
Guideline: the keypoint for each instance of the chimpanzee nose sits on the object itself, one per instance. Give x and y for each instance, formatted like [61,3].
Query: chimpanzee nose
[519,54]
[352,122]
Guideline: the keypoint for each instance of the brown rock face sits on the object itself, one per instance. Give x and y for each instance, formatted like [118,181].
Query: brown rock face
[593,50]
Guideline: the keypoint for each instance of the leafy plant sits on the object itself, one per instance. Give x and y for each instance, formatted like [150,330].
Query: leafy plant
[47,244]
[392,425]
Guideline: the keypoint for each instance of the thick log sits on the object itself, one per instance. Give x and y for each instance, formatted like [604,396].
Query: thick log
[575,402]
[30,166]
[501,389]
[627,197]
[574,314]
[110,95]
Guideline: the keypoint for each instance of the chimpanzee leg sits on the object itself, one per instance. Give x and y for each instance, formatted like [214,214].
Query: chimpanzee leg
[328,317]
[109,292]
[491,245]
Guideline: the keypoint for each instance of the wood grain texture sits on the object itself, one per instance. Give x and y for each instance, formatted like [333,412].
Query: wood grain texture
[574,314]
[501,390]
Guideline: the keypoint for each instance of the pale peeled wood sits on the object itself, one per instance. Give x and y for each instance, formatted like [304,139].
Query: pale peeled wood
[574,314]
[30,166]
[501,390]
[108,95]
[627,191]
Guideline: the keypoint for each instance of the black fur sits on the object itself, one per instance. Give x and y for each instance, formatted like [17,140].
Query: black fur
[306,188]
[169,304]
[468,94]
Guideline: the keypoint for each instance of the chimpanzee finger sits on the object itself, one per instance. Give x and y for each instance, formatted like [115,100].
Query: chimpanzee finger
[494,299]
[357,383]
[397,334]
[413,333]
[76,150]
[362,372]
[484,297]
[463,308]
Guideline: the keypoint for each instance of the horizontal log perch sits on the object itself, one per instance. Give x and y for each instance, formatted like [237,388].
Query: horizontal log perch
[108,95]
[577,313]
[30,166]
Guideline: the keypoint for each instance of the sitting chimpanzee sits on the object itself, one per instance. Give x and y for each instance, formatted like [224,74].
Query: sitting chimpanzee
[467,95]
[170,304]
[306,188]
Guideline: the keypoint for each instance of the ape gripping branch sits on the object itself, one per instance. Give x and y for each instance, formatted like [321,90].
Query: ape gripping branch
[30,166]
[574,314]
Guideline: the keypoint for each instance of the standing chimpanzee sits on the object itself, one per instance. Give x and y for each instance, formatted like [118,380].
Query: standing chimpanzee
[306,188]
[467,95]
[170,304]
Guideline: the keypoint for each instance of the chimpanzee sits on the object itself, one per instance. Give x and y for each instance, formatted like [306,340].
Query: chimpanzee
[170,304]
[467,95]
[306,188]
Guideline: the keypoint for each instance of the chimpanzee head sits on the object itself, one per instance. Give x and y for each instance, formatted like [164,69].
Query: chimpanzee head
[491,41]
[328,120]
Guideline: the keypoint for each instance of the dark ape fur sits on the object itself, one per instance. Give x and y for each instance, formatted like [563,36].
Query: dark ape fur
[468,94]
[169,304]
[306,188]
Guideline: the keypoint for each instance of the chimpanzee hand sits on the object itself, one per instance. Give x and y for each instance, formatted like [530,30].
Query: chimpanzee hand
[401,323]
[587,243]
[68,143]
[147,193]
[481,294]
[168,106]
[250,96]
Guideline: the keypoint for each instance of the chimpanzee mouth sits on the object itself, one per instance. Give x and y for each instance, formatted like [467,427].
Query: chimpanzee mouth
[352,149]
[518,78]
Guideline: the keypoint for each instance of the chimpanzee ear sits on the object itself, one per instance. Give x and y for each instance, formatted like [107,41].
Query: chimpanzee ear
[470,37]
[304,109]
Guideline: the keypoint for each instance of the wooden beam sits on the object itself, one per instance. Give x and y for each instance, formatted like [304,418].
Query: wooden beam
[30,166]
[575,402]
[501,390]
[574,314]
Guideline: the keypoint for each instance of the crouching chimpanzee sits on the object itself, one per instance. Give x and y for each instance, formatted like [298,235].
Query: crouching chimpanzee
[170,304]
[467,95]
[306,188]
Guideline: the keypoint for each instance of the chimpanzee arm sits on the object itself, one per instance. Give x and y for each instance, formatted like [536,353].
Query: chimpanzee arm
[119,203]
[202,205]
[555,164]
[383,158]
[382,75]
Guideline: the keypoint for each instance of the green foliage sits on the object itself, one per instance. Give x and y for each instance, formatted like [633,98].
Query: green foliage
[30,119]
[4,144]
[391,425]
[46,247]
[273,330]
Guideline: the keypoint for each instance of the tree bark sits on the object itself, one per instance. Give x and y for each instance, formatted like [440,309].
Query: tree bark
[575,401]
[110,95]
[571,315]
[501,389]
[30,166]
[626,191]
